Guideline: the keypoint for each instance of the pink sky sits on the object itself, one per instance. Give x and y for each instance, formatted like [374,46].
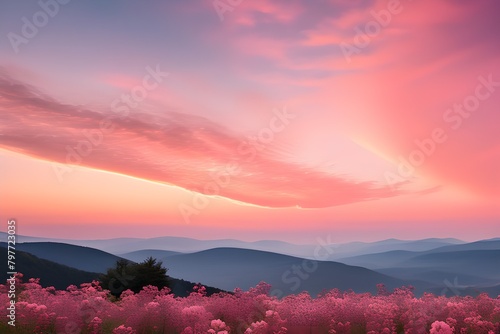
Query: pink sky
[270,120]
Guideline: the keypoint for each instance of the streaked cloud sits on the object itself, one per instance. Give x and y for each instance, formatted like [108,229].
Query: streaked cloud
[179,149]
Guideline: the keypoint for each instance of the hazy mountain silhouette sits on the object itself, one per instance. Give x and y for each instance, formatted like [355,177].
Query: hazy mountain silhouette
[228,268]
[119,246]
[79,257]
[379,260]
[140,255]
[438,277]
[477,245]
[50,273]
[398,257]
[189,245]
[483,263]
[475,264]
[362,248]
[61,276]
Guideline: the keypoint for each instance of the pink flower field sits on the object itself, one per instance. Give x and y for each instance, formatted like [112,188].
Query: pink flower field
[91,309]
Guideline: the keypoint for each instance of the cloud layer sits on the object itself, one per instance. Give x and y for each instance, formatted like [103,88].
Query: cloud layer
[174,148]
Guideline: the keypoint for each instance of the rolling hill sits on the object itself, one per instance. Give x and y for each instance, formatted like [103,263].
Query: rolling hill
[140,255]
[483,263]
[228,268]
[61,276]
[475,265]
[188,245]
[402,258]
[79,257]
[50,273]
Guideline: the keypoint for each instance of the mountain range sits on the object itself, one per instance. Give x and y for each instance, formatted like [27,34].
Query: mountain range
[54,273]
[188,245]
[442,266]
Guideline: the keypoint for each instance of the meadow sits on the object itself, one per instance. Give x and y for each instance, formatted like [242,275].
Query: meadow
[92,309]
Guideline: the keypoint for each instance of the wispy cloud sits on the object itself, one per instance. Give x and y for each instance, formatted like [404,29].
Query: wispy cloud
[173,148]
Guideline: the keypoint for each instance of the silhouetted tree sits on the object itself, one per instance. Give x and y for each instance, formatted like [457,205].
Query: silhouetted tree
[134,276]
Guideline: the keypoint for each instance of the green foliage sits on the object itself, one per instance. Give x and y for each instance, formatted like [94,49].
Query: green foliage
[134,276]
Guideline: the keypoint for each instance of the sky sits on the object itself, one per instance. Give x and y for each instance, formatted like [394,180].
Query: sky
[287,120]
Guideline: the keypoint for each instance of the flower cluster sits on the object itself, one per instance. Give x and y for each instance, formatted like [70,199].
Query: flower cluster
[91,309]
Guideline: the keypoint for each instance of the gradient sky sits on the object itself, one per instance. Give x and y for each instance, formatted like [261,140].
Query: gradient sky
[291,120]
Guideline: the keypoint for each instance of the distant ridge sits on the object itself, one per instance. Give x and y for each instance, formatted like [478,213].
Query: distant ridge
[61,276]
[79,257]
[229,268]
[50,273]
[140,255]
[188,245]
